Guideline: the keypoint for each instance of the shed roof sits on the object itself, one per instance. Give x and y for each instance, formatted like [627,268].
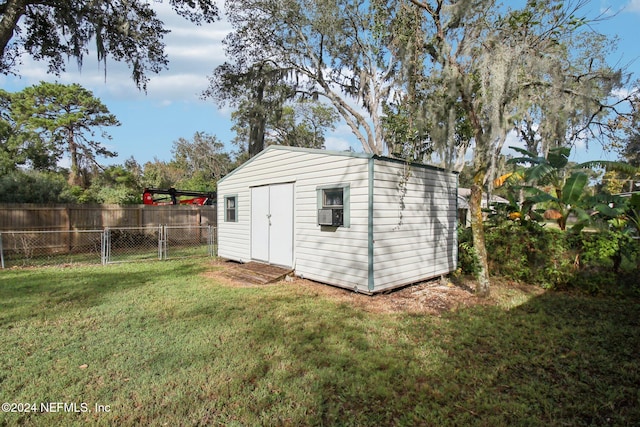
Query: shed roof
[332,153]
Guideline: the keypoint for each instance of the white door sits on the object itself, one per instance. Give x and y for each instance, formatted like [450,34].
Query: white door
[281,231]
[260,223]
[272,224]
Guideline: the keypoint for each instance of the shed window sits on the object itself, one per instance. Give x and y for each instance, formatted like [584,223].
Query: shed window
[231,209]
[332,198]
[333,205]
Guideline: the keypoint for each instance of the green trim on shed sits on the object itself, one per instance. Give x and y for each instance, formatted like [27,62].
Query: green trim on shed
[370,280]
[227,197]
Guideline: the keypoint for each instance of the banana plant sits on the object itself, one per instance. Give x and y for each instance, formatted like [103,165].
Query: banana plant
[632,214]
[568,199]
[567,185]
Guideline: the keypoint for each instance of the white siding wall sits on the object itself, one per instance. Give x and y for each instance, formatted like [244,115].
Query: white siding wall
[414,230]
[335,256]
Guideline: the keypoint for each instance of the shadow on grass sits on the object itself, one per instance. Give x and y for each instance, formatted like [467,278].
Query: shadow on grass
[32,293]
[556,360]
[203,354]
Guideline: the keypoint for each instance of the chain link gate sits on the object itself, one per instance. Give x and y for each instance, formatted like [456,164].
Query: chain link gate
[162,242]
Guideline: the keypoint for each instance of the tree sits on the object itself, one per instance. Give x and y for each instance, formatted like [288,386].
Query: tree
[296,124]
[31,186]
[202,160]
[197,164]
[303,124]
[344,51]
[571,101]
[258,91]
[50,119]
[489,61]
[630,144]
[20,145]
[125,30]
[159,174]
[115,184]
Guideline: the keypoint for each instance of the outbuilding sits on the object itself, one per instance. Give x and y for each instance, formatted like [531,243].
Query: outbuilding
[354,220]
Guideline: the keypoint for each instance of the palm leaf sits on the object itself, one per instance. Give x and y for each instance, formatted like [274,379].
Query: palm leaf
[520,160]
[607,211]
[542,197]
[559,157]
[524,152]
[574,188]
[581,214]
[539,172]
[609,166]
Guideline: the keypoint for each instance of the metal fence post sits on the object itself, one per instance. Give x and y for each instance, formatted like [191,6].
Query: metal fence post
[162,242]
[1,252]
[105,245]
[211,240]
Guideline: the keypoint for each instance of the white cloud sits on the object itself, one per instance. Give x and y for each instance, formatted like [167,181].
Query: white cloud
[633,6]
[193,52]
[621,93]
[342,138]
[336,143]
[512,140]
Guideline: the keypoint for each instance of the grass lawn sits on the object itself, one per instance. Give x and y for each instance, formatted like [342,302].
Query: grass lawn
[159,343]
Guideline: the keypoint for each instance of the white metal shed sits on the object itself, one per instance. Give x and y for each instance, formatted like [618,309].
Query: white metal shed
[354,220]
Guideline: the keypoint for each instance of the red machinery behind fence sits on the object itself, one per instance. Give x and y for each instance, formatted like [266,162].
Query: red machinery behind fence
[197,197]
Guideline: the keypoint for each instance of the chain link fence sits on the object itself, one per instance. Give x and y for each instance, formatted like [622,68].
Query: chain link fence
[110,245]
[33,248]
[189,241]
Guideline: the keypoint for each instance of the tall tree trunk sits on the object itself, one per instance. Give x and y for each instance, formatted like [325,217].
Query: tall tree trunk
[258,122]
[256,136]
[74,174]
[12,11]
[477,231]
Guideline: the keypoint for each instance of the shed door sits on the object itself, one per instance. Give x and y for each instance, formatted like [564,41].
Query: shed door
[260,223]
[272,224]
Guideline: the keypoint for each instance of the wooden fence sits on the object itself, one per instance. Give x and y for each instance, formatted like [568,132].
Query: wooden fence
[22,216]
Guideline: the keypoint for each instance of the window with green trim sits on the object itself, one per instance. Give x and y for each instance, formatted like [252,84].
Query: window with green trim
[231,209]
[333,205]
[333,198]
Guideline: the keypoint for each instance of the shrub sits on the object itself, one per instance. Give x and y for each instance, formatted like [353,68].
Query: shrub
[608,259]
[467,259]
[529,253]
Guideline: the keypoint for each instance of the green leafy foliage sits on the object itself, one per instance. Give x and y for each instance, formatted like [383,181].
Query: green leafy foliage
[531,254]
[127,31]
[51,119]
[467,258]
[595,261]
[562,188]
[35,187]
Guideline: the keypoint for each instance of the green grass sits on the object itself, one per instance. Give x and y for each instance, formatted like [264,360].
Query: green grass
[165,345]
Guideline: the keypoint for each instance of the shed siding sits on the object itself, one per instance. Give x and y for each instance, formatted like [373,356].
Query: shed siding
[336,256]
[414,223]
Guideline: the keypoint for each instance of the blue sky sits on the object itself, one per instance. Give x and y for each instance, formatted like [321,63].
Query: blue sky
[172,107]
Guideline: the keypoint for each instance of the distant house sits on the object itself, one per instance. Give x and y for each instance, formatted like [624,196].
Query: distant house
[353,220]
[464,194]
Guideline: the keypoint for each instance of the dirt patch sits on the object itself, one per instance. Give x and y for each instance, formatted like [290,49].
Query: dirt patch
[434,296]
